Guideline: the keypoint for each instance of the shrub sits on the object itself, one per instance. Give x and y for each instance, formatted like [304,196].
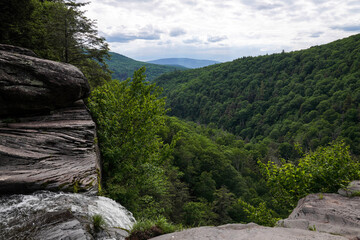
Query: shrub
[325,170]
[146,228]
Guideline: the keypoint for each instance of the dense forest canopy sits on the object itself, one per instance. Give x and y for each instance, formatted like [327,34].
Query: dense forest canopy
[309,97]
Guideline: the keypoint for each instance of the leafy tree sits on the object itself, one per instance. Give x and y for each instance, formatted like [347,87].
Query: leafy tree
[223,200]
[325,170]
[260,214]
[128,115]
[72,38]
[198,213]
[14,21]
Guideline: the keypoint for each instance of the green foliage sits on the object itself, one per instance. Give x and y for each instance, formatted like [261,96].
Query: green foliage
[355,194]
[15,19]
[312,228]
[216,169]
[123,67]
[98,222]
[198,214]
[128,115]
[260,214]
[325,170]
[76,186]
[160,222]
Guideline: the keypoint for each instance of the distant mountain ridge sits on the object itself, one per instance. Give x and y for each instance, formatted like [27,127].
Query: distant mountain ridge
[185,62]
[123,67]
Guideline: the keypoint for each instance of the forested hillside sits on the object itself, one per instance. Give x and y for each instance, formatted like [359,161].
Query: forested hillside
[310,97]
[163,167]
[123,67]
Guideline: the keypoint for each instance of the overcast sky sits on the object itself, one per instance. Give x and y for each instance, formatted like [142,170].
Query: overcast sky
[221,30]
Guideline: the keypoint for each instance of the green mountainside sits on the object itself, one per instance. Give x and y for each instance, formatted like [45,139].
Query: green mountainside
[124,67]
[310,97]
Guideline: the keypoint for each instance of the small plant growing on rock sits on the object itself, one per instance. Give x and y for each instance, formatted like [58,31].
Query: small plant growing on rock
[321,196]
[146,228]
[312,228]
[98,222]
[355,194]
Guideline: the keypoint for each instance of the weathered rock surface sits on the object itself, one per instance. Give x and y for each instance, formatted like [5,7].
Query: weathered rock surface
[31,85]
[48,215]
[247,232]
[331,213]
[53,152]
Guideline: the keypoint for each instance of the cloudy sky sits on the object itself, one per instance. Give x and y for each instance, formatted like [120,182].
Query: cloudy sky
[221,30]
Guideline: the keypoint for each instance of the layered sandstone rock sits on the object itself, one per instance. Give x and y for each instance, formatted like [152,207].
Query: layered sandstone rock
[30,85]
[47,136]
[54,152]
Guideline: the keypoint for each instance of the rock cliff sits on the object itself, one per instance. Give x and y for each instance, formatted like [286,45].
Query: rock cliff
[46,132]
[54,151]
[29,85]
[48,142]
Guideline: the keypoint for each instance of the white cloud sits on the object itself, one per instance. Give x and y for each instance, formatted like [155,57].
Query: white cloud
[214,39]
[175,32]
[221,30]
[193,40]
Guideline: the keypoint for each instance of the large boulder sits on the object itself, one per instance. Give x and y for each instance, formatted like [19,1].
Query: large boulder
[49,215]
[331,213]
[31,85]
[246,232]
[56,151]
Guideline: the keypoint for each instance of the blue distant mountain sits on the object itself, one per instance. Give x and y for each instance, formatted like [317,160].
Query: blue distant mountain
[124,67]
[185,62]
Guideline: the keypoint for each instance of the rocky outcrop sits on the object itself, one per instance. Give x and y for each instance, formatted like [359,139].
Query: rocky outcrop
[330,213]
[47,136]
[49,215]
[246,232]
[30,85]
[54,152]
[48,141]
